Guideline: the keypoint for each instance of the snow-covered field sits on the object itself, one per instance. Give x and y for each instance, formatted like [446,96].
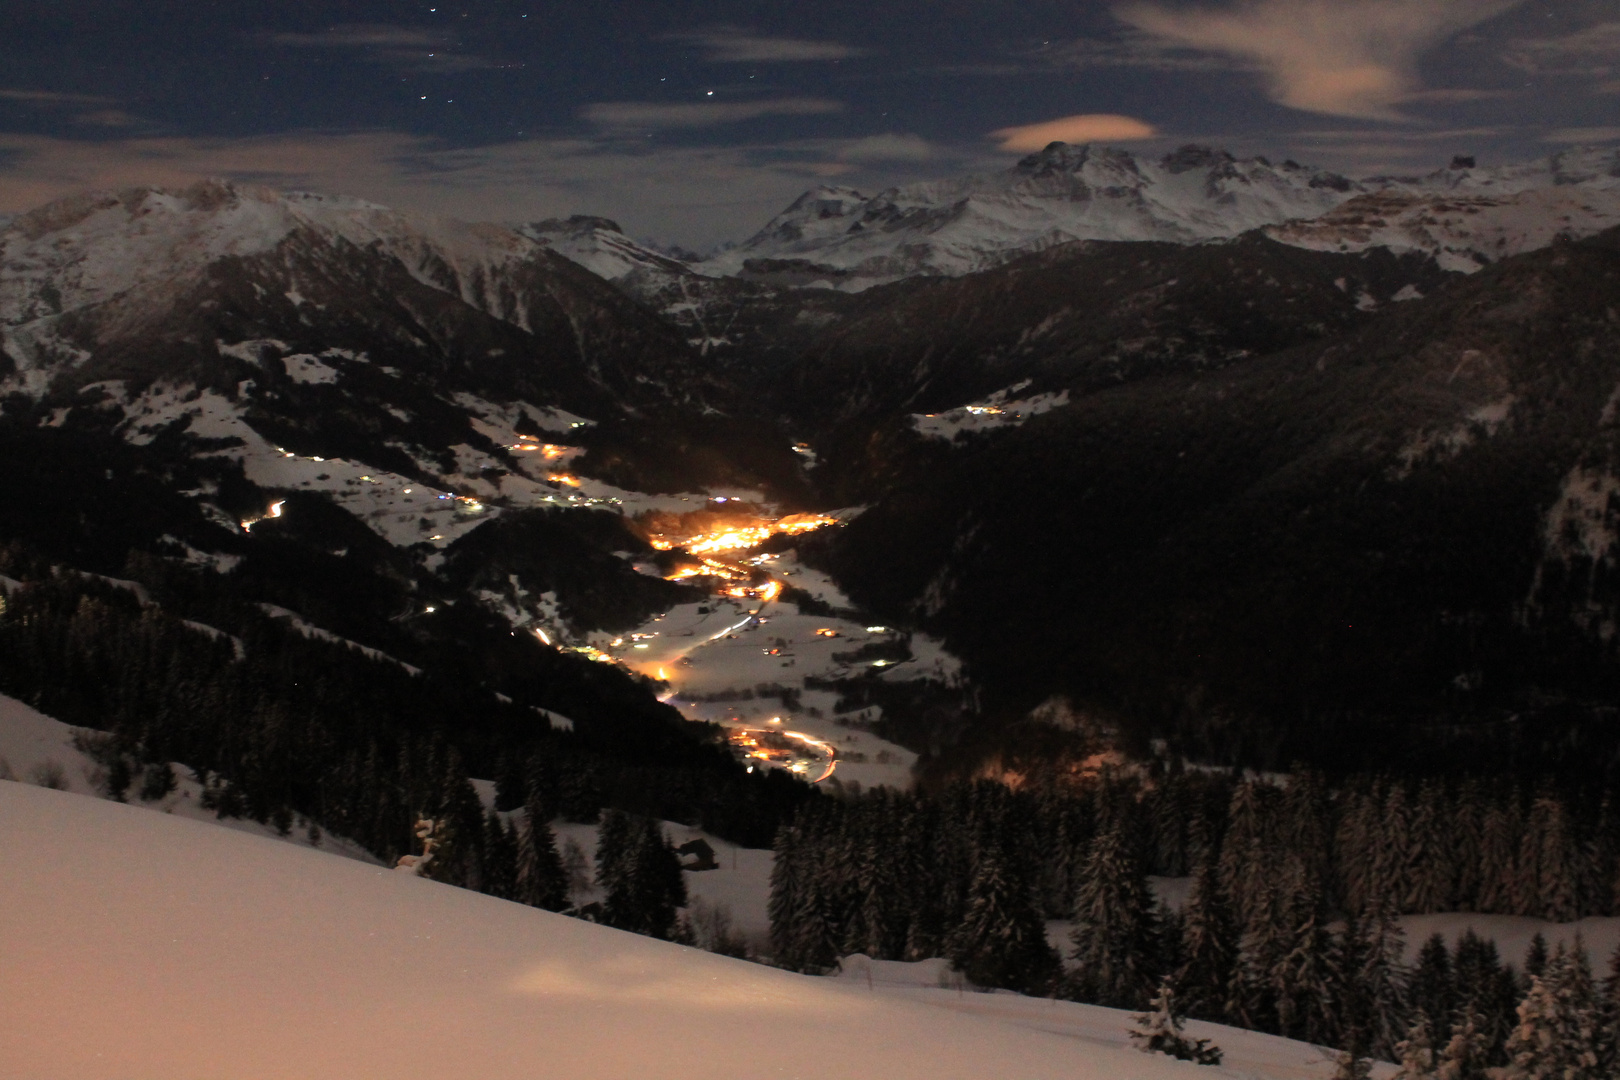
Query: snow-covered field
[145,945]
[731,667]
[999,410]
[34,749]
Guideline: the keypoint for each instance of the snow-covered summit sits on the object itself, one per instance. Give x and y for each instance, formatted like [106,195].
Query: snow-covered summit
[837,236]
[92,247]
[600,246]
[1468,216]
[1059,194]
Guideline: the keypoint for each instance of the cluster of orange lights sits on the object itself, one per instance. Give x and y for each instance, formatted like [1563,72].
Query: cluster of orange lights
[737,538]
[564,478]
[550,451]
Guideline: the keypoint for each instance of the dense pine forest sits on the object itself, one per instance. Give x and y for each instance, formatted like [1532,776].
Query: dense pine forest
[282,727]
[1290,925]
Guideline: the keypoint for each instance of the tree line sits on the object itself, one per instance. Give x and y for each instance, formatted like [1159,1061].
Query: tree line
[1291,922]
[284,729]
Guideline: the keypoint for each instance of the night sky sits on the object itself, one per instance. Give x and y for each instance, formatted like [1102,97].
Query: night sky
[693,122]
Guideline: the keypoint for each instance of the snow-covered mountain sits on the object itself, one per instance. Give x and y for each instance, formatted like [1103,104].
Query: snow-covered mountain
[600,246]
[100,275]
[1060,194]
[837,237]
[1467,216]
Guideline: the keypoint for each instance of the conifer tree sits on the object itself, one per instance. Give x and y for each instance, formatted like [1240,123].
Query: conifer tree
[1208,946]
[1113,934]
[1302,978]
[1428,867]
[1159,1031]
[500,858]
[1498,869]
[1608,1020]
[1001,941]
[1415,1053]
[542,881]
[1391,878]
[1381,980]
[1551,853]
[1536,956]
[640,876]
[1433,988]
[1555,1037]
[1467,1052]
[1265,939]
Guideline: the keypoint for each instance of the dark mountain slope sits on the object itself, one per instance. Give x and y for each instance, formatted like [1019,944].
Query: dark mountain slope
[1091,315]
[1411,526]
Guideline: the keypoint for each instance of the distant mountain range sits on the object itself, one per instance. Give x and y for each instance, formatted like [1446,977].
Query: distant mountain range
[1172,418]
[834,237]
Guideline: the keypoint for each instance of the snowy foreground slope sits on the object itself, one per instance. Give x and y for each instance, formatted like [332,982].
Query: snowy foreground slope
[143,945]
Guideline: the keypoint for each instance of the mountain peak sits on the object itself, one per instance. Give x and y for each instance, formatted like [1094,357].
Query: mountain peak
[1193,156]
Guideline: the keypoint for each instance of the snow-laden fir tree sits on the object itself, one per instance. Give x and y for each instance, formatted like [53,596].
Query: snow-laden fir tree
[1208,946]
[542,880]
[1374,979]
[1389,871]
[1557,1032]
[1160,1031]
[1433,987]
[1550,850]
[1415,1053]
[1001,941]
[1244,863]
[1428,869]
[1302,979]
[1467,1053]
[1265,941]
[1608,1019]
[1113,933]
[1498,867]
[500,858]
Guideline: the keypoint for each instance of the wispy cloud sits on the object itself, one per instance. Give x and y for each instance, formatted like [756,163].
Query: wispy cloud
[694,196]
[1593,52]
[888,148]
[1352,58]
[728,45]
[1090,127]
[405,46]
[659,115]
[48,97]
[360,36]
[1583,135]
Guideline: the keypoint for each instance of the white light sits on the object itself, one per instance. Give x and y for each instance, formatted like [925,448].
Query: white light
[431,609]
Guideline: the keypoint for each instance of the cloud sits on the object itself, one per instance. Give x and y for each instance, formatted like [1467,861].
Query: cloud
[888,148]
[403,46]
[360,36]
[46,97]
[1090,127]
[1583,135]
[694,196]
[658,115]
[1352,58]
[1593,52]
[726,45]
